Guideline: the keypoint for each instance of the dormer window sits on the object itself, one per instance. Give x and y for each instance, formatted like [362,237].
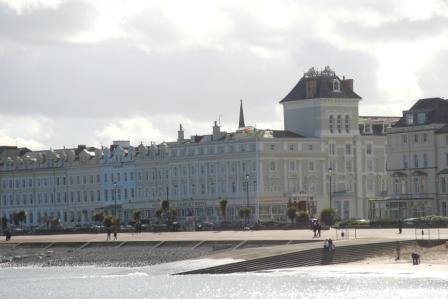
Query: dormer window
[421,118]
[367,129]
[409,119]
[336,85]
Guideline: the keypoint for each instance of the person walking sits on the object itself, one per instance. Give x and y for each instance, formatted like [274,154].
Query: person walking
[115,235]
[400,226]
[319,228]
[108,235]
[397,248]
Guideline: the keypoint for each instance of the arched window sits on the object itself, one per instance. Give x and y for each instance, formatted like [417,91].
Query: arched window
[336,85]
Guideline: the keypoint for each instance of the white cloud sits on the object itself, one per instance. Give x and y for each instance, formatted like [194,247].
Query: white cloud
[25,131]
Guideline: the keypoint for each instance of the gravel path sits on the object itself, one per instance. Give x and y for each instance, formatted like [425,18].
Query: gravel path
[126,256]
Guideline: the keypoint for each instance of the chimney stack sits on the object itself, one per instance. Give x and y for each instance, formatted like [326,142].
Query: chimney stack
[180,134]
[216,131]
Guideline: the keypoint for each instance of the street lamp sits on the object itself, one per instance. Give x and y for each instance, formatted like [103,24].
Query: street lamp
[330,171]
[115,198]
[247,190]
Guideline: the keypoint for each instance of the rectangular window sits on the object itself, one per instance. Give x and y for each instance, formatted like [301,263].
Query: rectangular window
[425,137]
[369,149]
[425,160]
[405,162]
[404,138]
[311,165]
[348,165]
[272,166]
[367,129]
[421,118]
[292,166]
[348,149]
[415,161]
[415,138]
[332,148]
[409,119]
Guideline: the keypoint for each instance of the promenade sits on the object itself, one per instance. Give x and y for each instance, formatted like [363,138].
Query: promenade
[379,234]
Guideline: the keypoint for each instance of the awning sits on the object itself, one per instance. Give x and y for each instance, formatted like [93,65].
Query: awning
[399,174]
[443,171]
[419,173]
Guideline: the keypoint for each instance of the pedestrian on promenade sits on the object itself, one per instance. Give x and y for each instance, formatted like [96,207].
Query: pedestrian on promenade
[319,228]
[115,235]
[108,235]
[400,226]
[8,235]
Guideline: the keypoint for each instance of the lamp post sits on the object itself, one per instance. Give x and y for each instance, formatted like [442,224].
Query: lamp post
[115,199]
[247,190]
[330,171]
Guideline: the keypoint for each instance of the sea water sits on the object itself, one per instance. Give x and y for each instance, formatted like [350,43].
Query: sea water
[158,282]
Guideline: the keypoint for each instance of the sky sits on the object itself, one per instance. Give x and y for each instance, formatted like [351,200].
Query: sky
[93,71]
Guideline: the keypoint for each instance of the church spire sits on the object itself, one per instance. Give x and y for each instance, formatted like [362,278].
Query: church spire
[241,122]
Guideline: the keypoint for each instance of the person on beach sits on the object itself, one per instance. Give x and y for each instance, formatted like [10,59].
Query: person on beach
[331,246]
[415,258]
[397,248]
[326,244]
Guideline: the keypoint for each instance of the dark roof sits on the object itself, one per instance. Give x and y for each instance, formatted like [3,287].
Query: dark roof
[436,109]
[285,134]
[324,89]
[197,138]
[443,129]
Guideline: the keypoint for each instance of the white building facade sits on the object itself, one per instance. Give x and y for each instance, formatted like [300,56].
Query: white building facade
[324,139]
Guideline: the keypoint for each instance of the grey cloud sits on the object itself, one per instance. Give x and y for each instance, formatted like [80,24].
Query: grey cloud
[45,25]
[397,30]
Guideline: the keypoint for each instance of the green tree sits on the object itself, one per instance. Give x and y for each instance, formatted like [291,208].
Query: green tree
[172,216]
[303,217]
[108,221]
[223,208]
[98,217]
[244,213]
[158,213]
[19,217]
[165,205]
[137,214]
[4,223]
[328,216]
[291,213]
[116,221]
